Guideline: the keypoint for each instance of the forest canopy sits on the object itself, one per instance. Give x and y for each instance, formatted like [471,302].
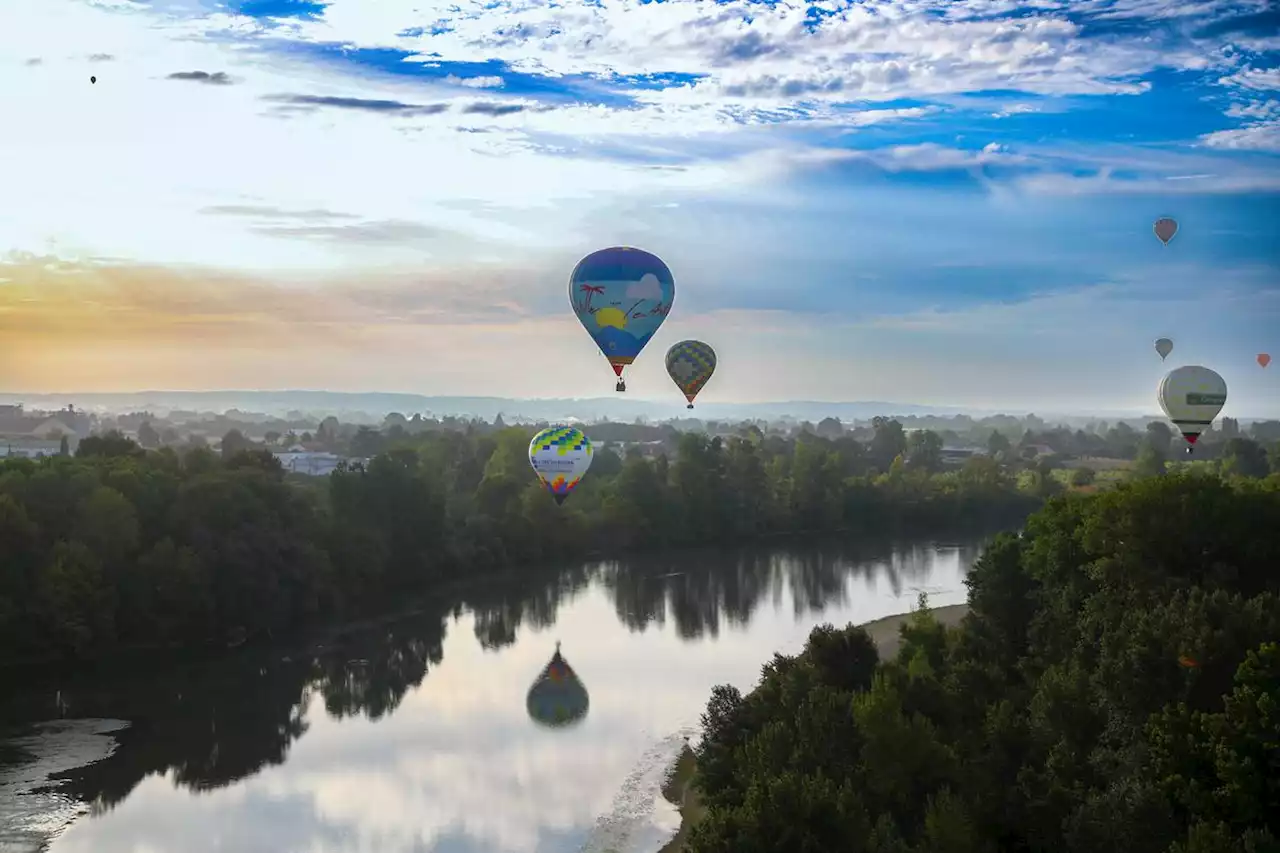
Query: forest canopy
[120,547]
[1114,687]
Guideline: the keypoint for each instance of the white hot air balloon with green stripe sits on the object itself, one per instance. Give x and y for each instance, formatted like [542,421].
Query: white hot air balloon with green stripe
[1192,396]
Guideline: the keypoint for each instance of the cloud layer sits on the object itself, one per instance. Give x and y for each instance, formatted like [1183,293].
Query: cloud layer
[382,166]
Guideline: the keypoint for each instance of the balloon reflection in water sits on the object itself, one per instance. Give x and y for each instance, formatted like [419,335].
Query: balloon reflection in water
[557,698]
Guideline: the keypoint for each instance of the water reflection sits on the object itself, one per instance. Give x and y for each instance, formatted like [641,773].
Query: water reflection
[557,698]
[215,726]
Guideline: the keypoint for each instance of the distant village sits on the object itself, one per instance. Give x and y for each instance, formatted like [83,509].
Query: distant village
[314,446]
[310,444]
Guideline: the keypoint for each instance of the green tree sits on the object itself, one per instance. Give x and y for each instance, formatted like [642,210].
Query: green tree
[924,451]
[1245,458]
[147,436]
[109,444]
[1150,462]
[1083,476]
[234,442]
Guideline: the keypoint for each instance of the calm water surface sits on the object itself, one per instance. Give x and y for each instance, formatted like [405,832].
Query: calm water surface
[412,735]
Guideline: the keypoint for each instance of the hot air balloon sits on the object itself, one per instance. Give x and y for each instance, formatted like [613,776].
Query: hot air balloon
[1263,359]
[621,297]
[1164,346]
[93,79]
[1191,397]
[690,364]
[557,698]
[1165,228]
[560,456]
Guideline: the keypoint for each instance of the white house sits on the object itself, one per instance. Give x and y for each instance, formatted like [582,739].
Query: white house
[311,463]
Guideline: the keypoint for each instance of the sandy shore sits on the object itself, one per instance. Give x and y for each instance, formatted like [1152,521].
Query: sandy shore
[681,794]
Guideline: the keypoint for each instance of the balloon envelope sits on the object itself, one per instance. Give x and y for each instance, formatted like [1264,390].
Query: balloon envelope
[1165,228]
[690,364]
[621,296]
[1264,359]
[560,456]
[1164,346]
[1191,397]
[557,698]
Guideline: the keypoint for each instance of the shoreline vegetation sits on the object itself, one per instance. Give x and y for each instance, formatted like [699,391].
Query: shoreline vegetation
[679,788]
[1112,687]
[121,552]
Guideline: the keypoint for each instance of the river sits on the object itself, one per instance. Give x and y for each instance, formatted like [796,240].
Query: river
[411,735]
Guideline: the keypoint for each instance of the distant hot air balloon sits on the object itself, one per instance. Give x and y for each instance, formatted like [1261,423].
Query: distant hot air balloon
[557,698]
[621,297]
[690,364]
[1165,228]
[1264,359]
[1191,397]
[1164,346]
[93,79]
[560,456]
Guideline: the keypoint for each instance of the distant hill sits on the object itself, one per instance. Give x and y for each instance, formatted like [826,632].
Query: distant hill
[376,405]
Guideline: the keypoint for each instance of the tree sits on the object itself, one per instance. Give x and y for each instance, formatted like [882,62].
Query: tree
[147,435]
[830,428]
[924,451]
[1114,686]
[64,446]
[1245,458]
[998,443]
[1150,461]
[888,442]
[235,442]
[111,444]
[1083,476]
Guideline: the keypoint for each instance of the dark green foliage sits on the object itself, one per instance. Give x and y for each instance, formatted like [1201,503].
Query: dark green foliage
[1115,687]
[121,547]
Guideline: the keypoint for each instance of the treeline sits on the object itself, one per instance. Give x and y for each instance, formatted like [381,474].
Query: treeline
[120,547]
[1115,687]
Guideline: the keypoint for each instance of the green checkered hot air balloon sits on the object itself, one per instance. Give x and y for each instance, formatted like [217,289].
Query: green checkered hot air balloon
[690,364]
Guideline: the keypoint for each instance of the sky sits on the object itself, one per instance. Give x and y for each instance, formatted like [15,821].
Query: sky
[944,202]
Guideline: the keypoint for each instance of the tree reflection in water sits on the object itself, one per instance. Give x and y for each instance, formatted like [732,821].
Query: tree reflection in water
[214,724]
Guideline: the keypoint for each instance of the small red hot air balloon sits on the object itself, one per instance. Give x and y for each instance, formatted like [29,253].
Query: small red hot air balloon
[1264,359]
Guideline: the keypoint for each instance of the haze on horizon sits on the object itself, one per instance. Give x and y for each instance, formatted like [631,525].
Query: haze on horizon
[942,204]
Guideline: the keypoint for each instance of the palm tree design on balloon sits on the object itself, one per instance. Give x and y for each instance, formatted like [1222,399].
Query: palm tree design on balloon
[591,290]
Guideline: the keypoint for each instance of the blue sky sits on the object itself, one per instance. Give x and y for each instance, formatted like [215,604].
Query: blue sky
[915,200]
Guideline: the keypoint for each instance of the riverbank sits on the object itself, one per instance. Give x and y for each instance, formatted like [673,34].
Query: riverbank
[679,789]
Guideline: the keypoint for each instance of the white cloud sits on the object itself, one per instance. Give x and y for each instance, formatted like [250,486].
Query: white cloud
[1013,110]
[475,82]
[1257,79]
[647,287]
[124,167]
[1260,136]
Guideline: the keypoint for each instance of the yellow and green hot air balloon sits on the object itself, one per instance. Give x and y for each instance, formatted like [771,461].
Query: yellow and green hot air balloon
[560,455]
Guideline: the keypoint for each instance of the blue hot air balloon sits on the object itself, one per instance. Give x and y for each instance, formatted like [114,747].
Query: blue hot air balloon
[621,297]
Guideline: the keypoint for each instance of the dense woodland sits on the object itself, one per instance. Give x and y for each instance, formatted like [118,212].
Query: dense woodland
[1115,687]
[120,547]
